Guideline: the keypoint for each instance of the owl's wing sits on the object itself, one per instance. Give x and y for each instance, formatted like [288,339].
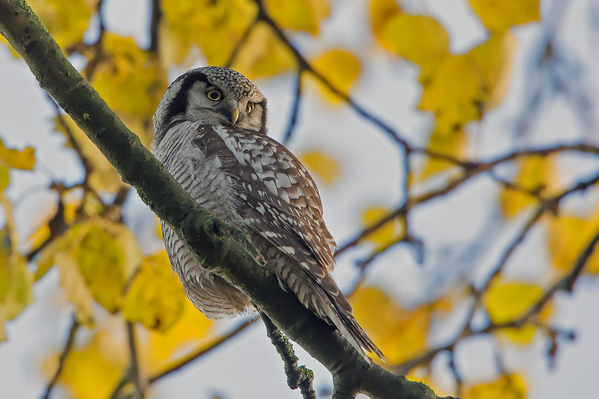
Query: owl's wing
[283,204]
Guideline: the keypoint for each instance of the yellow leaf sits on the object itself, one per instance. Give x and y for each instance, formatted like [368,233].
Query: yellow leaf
[188,332]
[498,16]
[175,45]
[417,38]
[45,259]
[399,333]
[76,288]
[156,297]
[39,236]
[43,233]
[100,260]
[521,336]
[215,26]
[4,178]
[536,173]
[381,12]
[389,233]
[16,159]
[67,20]
[305,15]
[158,230]
[104,178]
[131,82]
[568,238]
[264,54]
[107,255]
[509,301]
[92,372]
[70,210]
[453,144]
[15,283]
[323,165]
[506,387]
[340,68]
[494,59]
[457,101]
[454,101]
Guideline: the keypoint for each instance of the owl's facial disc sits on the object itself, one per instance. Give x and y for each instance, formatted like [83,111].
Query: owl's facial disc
[212,96]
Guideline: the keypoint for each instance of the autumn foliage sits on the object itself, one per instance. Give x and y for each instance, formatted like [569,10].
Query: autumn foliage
[104,269]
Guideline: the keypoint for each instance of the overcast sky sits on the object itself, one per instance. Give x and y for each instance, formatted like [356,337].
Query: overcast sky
[248,367]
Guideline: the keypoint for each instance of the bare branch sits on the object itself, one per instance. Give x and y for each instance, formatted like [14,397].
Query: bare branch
[566,283]
[297,376]
[63,356]
[294,108]
[585,148]
[242,41]
[155,27]
[201,352]
[134,367]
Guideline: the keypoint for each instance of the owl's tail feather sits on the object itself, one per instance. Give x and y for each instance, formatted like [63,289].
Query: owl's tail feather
[341,317]
[321,295]
[355,334]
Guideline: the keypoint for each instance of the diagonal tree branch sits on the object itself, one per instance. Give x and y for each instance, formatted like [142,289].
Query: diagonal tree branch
[216,245]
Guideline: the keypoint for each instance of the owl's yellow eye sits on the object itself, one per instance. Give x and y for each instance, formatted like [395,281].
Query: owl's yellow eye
[214,95]
[250,108]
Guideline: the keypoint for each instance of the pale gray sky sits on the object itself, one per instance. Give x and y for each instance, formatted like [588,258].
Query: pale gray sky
[248,367]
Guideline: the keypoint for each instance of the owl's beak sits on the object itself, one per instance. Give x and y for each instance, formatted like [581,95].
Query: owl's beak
[234,115]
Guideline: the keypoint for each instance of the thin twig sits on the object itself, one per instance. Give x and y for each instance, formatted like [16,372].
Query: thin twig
[117,390]
[196,355]
[87,164]
[294,109]
[63,356]
[472,169]
[134,368]
[403,210]
[97,47]
[585,148]
[566,283]
[512,247]
[549,204]
[517,187]
[454,370]
[297,376]
[242,41]
[155,27]
[303,64]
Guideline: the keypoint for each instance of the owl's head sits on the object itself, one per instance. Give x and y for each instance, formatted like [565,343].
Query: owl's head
[213,96]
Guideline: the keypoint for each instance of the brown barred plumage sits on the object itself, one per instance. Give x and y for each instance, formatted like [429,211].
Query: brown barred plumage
[210,133]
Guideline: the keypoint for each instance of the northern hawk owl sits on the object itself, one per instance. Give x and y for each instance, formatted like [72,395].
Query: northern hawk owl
[210,133]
